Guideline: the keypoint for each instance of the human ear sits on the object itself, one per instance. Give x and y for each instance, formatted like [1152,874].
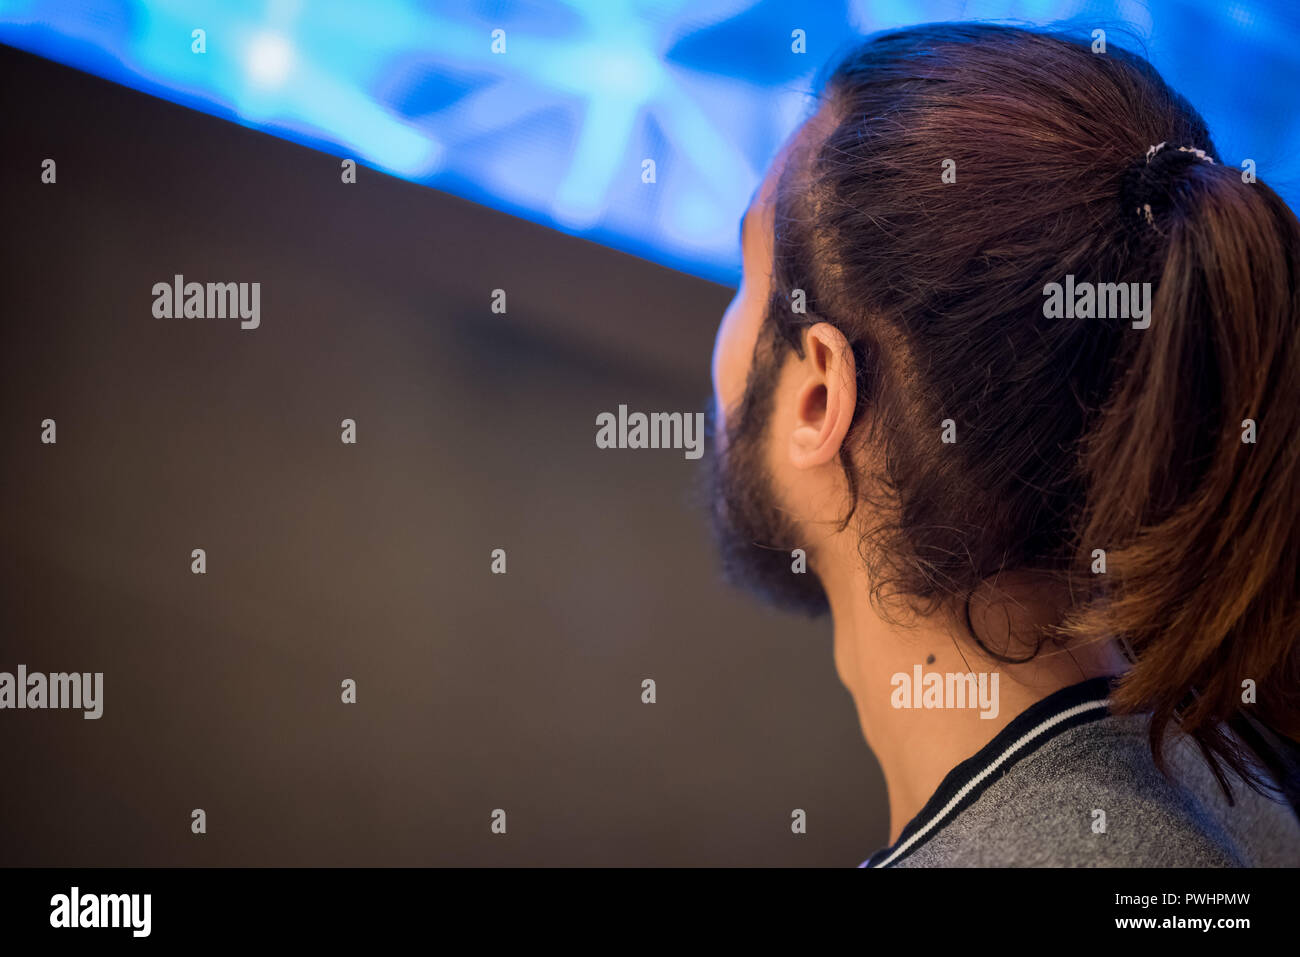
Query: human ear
[825,399]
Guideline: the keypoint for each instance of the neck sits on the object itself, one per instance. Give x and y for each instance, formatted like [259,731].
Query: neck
[918,746]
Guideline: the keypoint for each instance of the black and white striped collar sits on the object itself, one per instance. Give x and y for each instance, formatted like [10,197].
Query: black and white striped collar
[1038,724]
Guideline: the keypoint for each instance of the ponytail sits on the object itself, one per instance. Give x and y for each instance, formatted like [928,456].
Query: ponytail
[1193,477]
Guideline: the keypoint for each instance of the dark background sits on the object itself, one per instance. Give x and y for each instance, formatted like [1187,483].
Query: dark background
[328,561]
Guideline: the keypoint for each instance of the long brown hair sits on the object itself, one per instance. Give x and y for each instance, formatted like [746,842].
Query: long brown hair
[1074,436]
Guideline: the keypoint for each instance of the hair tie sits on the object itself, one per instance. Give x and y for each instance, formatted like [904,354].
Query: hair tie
[1148,182]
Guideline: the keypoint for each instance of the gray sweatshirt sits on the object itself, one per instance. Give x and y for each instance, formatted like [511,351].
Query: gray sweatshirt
[1068,784]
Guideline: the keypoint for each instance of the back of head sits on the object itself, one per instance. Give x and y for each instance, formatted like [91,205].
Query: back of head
[982,222]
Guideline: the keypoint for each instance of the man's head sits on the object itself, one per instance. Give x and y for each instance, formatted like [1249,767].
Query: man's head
[892,396]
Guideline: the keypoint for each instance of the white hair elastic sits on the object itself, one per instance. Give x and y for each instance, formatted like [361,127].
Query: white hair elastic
[1152,152]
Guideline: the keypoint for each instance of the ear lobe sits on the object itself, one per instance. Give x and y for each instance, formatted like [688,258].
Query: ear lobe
[826,398]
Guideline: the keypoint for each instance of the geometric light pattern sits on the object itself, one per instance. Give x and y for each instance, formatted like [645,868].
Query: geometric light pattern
[556,127]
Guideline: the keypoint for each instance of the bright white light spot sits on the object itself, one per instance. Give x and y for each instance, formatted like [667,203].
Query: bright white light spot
[269,59]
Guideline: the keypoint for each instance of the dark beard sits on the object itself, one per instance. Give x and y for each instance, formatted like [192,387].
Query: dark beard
[754,537]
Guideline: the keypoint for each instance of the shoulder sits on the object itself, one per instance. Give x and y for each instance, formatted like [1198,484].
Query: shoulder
[1092,797]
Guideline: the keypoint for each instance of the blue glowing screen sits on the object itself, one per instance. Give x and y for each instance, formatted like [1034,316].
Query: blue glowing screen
[552,118]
